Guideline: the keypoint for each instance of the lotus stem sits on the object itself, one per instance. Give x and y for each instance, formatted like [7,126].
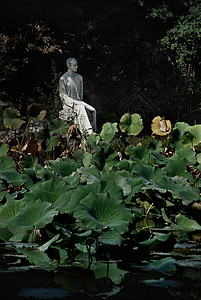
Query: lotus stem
[147,213]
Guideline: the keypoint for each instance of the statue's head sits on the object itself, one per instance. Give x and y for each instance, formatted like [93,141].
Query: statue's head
[72,64]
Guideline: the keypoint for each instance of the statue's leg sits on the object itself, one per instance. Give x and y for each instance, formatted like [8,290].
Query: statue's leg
[94,120]
[82,120]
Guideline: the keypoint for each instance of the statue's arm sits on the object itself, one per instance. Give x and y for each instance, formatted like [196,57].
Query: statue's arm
[65,99]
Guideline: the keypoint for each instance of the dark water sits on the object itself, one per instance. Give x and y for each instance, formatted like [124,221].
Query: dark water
[76,283]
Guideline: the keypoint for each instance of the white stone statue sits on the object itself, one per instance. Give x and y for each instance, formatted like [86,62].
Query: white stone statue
[71,94]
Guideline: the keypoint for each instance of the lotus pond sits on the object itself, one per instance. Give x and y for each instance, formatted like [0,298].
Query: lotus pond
[110,216]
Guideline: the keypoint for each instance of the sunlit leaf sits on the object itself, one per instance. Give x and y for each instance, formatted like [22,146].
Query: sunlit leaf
[12,118]
[160,126]
[131,124]
[108,131]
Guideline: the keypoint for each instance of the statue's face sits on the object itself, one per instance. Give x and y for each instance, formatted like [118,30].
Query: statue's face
[73,66]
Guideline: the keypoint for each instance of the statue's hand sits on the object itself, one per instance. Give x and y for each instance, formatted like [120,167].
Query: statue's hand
[89,107]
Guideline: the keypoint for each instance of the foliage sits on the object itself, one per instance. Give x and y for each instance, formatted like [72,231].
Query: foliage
[98,204]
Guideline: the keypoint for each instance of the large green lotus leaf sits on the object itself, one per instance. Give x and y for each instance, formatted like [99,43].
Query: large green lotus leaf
[58,126]
[6,163]
[108,131]
[99,210]
[138,153]
[111,161]
[52,142]
[110,238]
[187,153]
[3,149]
[79,194]
[187,224]
[147,173]
[111,187]
[119,180]
[9,210]
[103,270]
[12,118]
[65,167]
[29,162]
[176,166]
[99,187]
[73,180]
[157,240]
[136,185]
[157,157]
[5,234]
[166,183]
[187,194]
[182,127]
[35,215]
[36,257]
[165,265]
[29,177]
[192,137]
[131,124]
[54,192]
[90,174]
[11,176]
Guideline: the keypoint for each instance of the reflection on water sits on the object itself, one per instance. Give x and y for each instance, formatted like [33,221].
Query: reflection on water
[163,280]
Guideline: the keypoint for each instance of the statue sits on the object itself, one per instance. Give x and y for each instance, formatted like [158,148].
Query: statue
[71,94]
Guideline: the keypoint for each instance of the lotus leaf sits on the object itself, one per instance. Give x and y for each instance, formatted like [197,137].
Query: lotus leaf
[131,124]
[35,215]
[9,210]
[36,112]
[138,153]
[182,127]
[176,166]
[3,149]
[187,224]
[87,159]
[54,192]
[58,126]
[187,194]
[102,270]
[147,173]
[12,176]
[99,210]
[192,137]
[108,131]
[52,142]
[35,257]
[118,180]
[65,167]
[12,118]
[154,242]
[160,126]
[110,238]
[99,187]
[165,265]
